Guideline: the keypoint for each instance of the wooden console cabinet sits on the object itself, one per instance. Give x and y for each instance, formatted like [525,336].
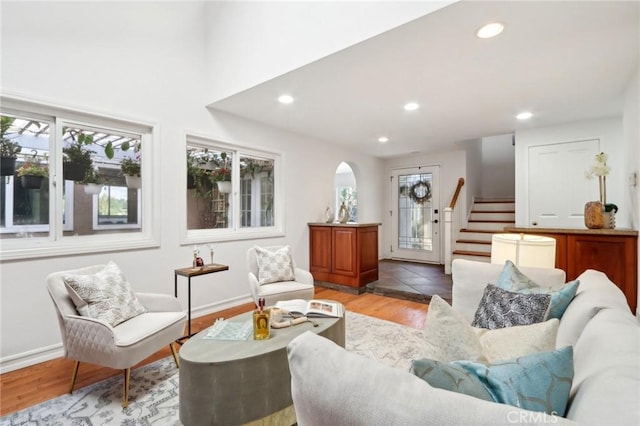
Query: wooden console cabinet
[612,251]
[344,254]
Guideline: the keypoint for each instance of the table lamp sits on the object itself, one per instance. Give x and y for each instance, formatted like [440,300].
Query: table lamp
[523,250]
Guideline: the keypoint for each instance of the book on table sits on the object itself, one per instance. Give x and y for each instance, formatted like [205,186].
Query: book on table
[311,308]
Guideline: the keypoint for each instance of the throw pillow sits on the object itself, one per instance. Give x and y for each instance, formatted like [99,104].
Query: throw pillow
[501,308]
[274,266]
[512,279]
[105,295]
[538,382]
[449,337]
[449,377]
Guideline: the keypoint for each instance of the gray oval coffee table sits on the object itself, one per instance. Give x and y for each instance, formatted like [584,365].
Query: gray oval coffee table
[230,382]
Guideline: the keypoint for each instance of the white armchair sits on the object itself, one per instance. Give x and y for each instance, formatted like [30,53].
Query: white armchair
[301,288]
[123,346]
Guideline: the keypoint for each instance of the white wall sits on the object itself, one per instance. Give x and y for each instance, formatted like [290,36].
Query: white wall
[452,167]
[607,130]
[473,179]
[498,167]
[631,129]
[249,43]
[145,61]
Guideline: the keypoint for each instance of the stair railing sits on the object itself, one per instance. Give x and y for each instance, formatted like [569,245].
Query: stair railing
[449,225]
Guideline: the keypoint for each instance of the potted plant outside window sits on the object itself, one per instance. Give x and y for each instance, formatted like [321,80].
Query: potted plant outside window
[130,168]
[32,173]
[9,149]
[222,174]
[93,182]
[77,157]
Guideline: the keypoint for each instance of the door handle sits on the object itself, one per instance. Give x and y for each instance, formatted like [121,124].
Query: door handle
[435,221]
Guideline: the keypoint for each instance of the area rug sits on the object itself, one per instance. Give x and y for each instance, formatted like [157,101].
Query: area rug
[153,394]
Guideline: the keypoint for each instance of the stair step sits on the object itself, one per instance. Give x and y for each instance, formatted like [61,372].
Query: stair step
[473,245]
[472,253]
[473,241]
[493,226]
[495,206]
[491,216]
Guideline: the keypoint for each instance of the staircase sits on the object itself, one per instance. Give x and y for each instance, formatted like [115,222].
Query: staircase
[487,217]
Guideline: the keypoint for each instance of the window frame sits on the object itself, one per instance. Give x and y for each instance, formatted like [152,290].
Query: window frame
[236,232]
[56,243]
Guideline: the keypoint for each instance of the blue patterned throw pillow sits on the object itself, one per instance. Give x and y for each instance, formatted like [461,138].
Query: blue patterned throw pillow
[512,279]
[538,382]
[501,308]
[449,377]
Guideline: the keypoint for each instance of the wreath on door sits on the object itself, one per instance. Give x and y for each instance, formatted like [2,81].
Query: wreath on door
[420,191]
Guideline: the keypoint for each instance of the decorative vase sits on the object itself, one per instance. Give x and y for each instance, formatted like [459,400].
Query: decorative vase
[134,182]
[31,181]
[343,214]
[8,166]
[92,188]
[594,215]
[224,186]
[609,220]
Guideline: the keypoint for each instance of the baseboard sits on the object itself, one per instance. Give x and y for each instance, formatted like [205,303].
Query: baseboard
[36,356]
[29,358]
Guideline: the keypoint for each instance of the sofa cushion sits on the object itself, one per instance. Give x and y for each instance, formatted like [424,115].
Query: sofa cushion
[512,279]
[606,386]
[537,382]
[274,266]
[471,277]
[366,392]
[595,293]
[449,377]
[500,308]
[105,295]
[449,337]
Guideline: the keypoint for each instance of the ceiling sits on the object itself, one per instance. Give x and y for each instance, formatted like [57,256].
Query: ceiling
[563,61]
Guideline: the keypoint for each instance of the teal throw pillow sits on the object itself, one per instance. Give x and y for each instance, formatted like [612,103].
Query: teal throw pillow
[512,279]
[449,377]
[538,382]
[502,308]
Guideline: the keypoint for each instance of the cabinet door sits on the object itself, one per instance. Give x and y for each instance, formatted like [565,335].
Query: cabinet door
[344,251]
[615,256]
[320,249]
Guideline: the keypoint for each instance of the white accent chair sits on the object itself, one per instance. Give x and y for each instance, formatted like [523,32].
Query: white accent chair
[123,346]
[301,288]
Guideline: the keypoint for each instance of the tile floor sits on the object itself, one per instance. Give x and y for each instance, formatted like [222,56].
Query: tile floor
[411,281]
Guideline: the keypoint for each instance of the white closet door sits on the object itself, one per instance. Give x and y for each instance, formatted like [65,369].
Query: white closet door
[558,187]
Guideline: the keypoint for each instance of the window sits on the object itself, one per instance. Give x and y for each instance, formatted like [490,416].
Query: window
[70,181]
[231,192]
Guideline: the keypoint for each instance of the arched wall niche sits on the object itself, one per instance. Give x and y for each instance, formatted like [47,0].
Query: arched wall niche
[345,191]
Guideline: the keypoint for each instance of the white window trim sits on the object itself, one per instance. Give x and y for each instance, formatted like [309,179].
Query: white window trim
[58,245]
[235,232]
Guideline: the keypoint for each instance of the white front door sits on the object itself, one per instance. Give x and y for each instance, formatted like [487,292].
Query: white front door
[415,214]
[558,188]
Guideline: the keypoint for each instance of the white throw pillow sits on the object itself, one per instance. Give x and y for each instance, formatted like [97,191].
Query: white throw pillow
[105,295]
[449,337]
[274,266]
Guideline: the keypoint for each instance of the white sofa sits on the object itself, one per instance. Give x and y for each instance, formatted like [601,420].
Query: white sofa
[331,386]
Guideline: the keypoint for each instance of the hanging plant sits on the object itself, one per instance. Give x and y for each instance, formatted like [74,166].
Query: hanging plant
[420,191]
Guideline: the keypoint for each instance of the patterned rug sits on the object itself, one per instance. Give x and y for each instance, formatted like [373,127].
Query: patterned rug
[153,394]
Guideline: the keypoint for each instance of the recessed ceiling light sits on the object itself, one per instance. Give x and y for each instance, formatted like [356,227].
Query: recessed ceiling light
[525,115]
[285,99]
[411,106]
[383,139]
[490,30]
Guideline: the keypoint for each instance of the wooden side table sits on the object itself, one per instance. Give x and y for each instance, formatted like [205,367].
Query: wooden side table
[193,272]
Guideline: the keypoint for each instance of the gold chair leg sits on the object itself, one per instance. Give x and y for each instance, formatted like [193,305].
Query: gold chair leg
[174,353]
[74,374]
[125,390]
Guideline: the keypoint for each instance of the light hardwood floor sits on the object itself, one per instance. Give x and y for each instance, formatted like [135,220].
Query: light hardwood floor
[32,385]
